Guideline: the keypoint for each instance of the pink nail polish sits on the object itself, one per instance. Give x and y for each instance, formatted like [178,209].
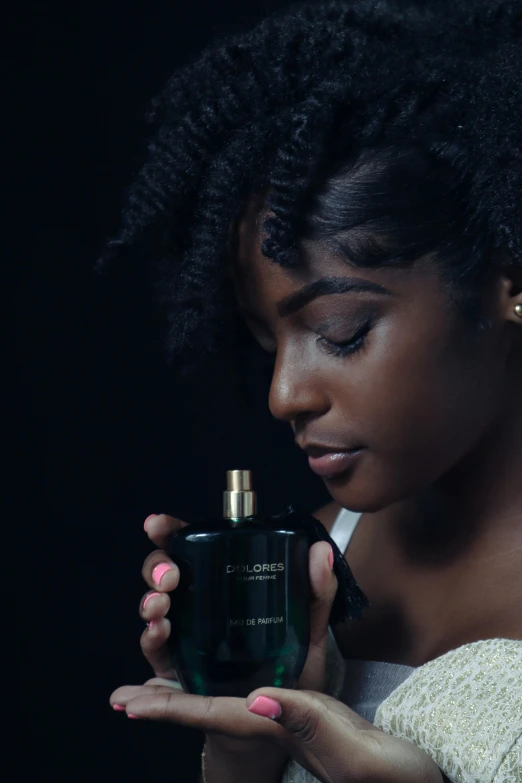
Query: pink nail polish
[330,558]
[150,595]
[118,708]
[149,517]
[267,708]
[159,571]
[131,715]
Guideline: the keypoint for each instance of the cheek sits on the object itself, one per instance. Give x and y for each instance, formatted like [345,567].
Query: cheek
[418,403]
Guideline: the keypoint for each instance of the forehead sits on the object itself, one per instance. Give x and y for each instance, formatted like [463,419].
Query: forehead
[260,282]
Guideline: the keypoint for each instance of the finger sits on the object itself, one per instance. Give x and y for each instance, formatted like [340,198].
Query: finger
[224,715]
[323,584]
[127,692]
[159,528]
[154,606]
[160,572]
[120,694]
[154,646]
[163,681]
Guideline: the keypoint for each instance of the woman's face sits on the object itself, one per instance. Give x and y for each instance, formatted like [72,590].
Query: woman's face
[387,370]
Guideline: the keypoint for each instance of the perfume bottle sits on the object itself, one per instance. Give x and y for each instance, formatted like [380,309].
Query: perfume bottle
[240,614]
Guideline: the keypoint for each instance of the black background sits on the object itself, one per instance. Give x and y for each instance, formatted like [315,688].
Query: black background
[107,433]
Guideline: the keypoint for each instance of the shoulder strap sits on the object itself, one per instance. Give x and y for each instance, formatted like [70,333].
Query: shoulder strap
[343,527]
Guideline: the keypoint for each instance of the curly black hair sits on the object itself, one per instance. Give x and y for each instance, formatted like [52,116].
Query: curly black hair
[387,129]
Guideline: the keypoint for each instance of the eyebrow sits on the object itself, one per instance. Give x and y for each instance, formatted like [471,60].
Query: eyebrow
[324,286]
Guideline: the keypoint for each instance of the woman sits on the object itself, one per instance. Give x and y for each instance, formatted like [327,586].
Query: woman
[347,179]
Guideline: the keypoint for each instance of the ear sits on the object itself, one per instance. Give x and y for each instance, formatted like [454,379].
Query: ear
[511,294]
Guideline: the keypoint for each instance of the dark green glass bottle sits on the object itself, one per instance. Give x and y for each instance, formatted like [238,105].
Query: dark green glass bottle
[240,615]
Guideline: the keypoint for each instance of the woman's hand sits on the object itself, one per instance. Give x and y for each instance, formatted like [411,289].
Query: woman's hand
[325,736]
[162,576]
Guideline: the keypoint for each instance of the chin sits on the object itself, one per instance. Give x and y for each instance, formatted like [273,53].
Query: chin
[360,504]
[368,493]
[354,498]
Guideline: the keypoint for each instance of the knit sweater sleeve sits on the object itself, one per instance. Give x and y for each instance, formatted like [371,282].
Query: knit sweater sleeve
[465,710]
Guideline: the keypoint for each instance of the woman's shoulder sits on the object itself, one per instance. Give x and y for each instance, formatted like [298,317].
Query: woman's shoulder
[465,709]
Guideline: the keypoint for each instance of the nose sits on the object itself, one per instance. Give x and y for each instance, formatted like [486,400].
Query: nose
[296,389]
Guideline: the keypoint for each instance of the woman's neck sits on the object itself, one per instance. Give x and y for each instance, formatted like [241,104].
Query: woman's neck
[452,558]
[477,506]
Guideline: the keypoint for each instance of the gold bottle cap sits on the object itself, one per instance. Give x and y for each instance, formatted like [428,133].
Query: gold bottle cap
[239,500]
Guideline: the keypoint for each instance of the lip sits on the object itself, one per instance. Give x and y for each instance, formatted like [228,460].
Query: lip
[333,463]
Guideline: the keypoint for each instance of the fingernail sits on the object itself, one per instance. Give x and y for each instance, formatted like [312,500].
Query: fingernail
[330,558]
[267,708]
[131,715]
[150,595]
[151,624]
[149,517]
[118,708]
[159,571]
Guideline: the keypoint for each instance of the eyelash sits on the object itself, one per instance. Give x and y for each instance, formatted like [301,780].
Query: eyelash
[341,350]
[347,347]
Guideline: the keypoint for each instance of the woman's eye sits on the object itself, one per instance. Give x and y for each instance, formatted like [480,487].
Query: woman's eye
[346,347]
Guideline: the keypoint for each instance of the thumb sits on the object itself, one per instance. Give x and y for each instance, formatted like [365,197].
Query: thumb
[321,733]
[323,583]
[334,743]
[299,712]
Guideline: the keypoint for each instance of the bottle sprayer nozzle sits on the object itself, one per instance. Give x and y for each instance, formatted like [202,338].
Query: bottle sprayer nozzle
[239,480]
[239,500]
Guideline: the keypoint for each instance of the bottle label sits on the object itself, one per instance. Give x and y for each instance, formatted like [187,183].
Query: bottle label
[251,621]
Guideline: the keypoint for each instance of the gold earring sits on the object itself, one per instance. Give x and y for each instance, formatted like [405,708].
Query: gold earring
[518,309]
